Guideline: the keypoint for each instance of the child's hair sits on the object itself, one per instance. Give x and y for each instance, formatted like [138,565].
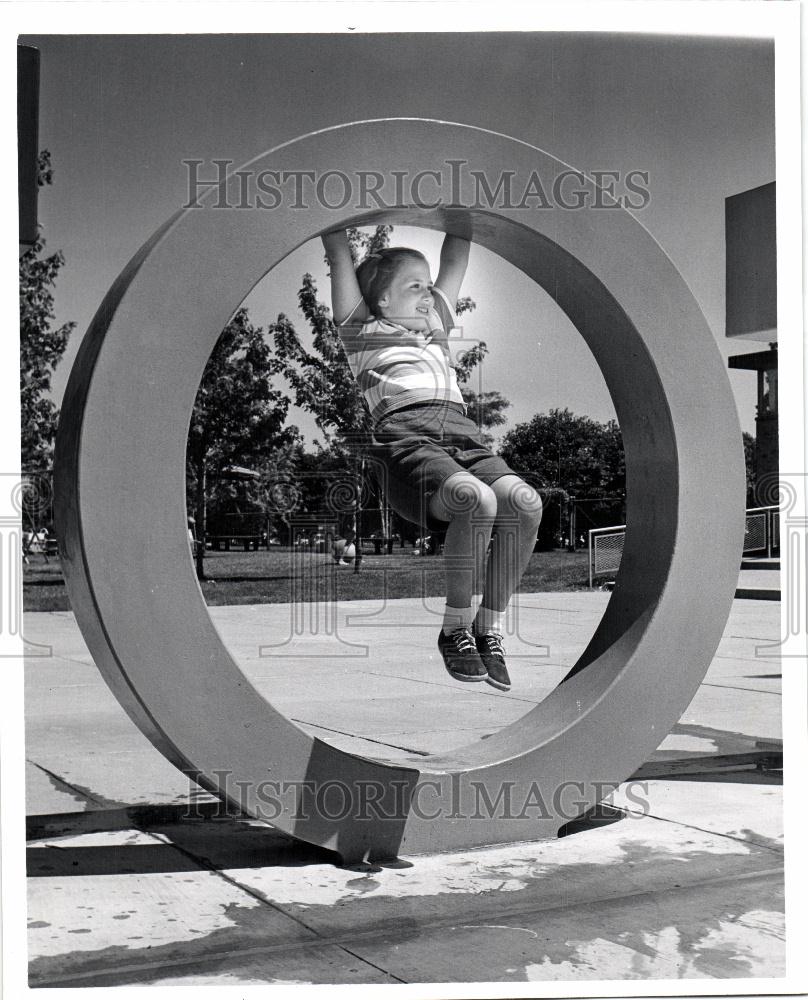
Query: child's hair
[376,272]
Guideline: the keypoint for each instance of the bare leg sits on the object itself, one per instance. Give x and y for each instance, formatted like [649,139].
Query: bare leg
[515,529]
[470,508]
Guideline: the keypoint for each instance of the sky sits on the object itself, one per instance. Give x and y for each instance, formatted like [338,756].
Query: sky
[120,114]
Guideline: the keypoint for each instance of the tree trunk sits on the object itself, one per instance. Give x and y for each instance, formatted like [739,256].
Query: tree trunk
[384,514]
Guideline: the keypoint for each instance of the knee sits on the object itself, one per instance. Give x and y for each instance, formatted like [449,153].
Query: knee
[524,503]
[467,497]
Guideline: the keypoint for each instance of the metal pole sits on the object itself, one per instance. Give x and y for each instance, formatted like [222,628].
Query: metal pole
[571,524]
[358,516]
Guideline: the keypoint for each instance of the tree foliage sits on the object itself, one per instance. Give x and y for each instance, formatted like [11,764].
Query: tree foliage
[42,344]
[321,378]
[486,409]
[238,418]
[559,450]
[238,410]
[566,456]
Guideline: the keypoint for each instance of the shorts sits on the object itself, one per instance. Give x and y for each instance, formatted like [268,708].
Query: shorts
[414,450]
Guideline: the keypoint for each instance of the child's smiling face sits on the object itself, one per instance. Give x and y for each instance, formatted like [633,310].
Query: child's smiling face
[408,298]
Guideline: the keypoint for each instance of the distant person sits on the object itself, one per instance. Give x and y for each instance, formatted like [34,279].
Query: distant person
[344,551]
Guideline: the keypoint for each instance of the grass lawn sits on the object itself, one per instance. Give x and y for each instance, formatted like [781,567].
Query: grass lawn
[278,577]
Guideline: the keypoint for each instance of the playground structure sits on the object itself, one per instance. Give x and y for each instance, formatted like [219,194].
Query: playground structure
[148,628]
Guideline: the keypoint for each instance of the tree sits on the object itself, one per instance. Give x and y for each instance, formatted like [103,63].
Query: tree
[562,451]
[566,456]
[238,418]
[486,409]
[41,344]
[317,490]
[321,379]
[611,460]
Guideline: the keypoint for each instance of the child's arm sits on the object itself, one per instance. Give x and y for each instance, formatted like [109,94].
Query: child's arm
[345,292]
[454,258]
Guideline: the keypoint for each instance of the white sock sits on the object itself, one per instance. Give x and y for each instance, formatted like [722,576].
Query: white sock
[457,618]
[488,621]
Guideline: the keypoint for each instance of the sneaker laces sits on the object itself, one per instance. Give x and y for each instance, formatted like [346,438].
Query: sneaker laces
[493,642]
[464,640]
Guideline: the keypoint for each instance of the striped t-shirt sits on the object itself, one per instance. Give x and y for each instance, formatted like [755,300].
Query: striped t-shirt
[396,367]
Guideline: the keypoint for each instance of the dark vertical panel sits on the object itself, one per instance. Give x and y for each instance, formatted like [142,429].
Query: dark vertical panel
[751,234]
[27,141]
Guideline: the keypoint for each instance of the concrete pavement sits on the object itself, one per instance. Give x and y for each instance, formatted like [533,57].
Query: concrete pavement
[759,579]
[681,879]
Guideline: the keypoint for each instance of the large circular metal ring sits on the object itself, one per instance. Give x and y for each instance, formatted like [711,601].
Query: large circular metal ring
[121,500]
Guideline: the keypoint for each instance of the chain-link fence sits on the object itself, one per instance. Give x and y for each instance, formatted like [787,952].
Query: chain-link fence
[605,550]
[762,536]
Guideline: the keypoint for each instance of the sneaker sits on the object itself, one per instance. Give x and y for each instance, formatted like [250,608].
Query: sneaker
[492,653]
[460,655]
